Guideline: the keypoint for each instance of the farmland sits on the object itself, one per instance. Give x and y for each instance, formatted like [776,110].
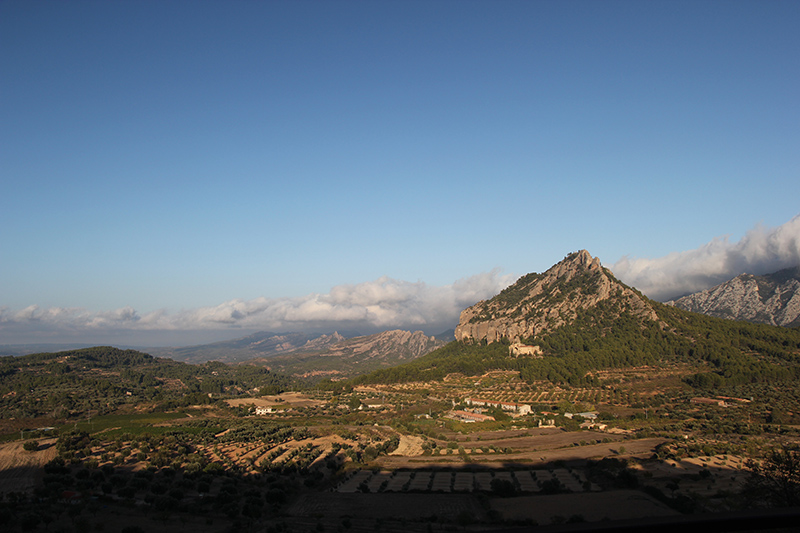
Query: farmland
[385,456]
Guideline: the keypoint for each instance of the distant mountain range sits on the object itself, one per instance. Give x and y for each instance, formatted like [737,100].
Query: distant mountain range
[258,345]
[769,299]
[354,356]
[330,355]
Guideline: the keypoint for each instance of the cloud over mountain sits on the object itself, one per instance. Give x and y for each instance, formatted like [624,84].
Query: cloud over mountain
[367,307]
[761,251]
[387,303]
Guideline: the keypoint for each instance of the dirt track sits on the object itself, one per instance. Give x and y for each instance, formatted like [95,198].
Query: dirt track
[21,470]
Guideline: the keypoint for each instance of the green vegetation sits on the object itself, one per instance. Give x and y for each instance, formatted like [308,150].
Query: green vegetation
[608,335]
[775,482]
[102,380]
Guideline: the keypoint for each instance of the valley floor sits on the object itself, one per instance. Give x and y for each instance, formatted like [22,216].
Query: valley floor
[386,458]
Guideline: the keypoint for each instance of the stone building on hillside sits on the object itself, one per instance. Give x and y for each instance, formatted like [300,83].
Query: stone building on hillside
[518,349]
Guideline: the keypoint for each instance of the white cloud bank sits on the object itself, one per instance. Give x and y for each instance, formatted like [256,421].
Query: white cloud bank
[761,251]
[376,305]
[387,303]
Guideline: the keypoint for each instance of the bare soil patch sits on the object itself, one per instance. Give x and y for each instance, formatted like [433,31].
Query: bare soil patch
[409,446]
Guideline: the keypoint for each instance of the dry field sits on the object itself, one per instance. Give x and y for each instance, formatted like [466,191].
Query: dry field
[534,446]
[287,399]
[15,425]
[409,446]
[20,470]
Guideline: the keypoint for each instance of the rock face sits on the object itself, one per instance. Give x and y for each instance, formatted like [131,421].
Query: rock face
[323,341]
[541,302]
[770,299]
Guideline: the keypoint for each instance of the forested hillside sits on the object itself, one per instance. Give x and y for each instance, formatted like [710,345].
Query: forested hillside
[609,336]
[102,379]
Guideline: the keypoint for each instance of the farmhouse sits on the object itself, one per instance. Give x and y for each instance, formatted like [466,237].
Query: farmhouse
[373,403]
[466,416]
[517,408]
[588,415]
[590,424]
[518,349]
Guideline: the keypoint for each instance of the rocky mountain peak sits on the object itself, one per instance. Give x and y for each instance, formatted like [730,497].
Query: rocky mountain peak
[540,302]
[580,260]
[769,299]
[323,341]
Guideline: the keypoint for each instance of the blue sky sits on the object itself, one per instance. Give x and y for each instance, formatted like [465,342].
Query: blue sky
[165,160]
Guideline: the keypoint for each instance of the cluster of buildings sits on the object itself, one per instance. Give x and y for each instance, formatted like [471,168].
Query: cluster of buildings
[267,410]
[478,405]
[510,407]
[469,416]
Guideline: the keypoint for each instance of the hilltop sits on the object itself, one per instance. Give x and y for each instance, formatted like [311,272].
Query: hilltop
[104,380]
[581,319]
[769,299]
[538,303]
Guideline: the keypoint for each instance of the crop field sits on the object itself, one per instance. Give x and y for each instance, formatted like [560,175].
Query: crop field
[134,423]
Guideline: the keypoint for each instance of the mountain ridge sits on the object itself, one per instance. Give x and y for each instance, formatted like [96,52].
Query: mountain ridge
[772,299]
[259,344]
[355,355]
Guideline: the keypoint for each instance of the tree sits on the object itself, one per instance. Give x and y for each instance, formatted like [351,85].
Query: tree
[776,480]
[354,403]
[503,487]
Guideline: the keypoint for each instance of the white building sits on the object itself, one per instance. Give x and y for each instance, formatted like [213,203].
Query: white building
[517,408]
